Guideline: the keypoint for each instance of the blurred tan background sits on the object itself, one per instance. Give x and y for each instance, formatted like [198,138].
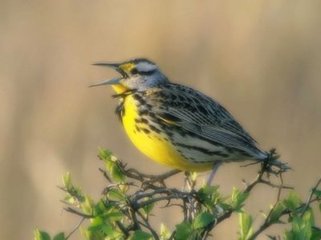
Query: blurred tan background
[261,59]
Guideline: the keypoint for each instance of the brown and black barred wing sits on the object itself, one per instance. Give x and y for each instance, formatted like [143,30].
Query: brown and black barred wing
[201,116]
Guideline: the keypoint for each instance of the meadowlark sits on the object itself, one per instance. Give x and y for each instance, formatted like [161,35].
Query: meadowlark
[176,125]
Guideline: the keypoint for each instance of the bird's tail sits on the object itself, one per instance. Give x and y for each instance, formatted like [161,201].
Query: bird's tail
[274,163]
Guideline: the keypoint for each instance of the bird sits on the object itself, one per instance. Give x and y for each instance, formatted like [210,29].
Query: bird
[176,125]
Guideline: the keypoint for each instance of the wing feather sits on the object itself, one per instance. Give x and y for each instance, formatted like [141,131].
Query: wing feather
[198,114]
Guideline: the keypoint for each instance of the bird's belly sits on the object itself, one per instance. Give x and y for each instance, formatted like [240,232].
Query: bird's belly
[154,145]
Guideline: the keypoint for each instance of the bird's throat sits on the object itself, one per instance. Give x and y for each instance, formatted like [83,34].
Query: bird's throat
[119,88]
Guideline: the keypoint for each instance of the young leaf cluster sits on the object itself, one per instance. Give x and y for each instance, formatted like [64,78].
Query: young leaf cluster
[130,197]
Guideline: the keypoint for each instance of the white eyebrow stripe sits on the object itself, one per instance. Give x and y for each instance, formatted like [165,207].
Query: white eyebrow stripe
[145,67]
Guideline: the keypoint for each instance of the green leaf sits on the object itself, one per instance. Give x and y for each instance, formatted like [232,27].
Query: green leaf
[238,198]
[317,193]
[109,230]
[101,207]
[104,154]
[113,215]
[74,194]
[140,235]
[112,165]
[66,179]
[70,199]
[148,208]
[59,236]
[276,213]
[193,176]
[116,173]
[96,223]
[301,227]
[245,221]
[316,233]
[41,235]
[292,201]
[101,229]
[209,195]
[203,220]
[308,217]
[288,235]
[87,205]
[95,234]
[164,232]
[123,188]
[183,231]
[224,206]
[115,194]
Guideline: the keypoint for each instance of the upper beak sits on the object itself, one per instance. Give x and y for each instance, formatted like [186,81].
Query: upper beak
[112,81]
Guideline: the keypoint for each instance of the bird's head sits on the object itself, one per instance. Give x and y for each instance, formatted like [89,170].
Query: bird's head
[137,74]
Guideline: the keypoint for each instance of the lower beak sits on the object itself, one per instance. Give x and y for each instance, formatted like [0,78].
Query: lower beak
[112,81]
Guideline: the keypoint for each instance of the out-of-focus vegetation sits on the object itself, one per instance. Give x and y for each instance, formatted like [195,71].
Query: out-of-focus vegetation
[260,59]
[127,206]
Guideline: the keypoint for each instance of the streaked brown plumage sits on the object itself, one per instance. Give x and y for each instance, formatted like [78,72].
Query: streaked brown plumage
[177,125]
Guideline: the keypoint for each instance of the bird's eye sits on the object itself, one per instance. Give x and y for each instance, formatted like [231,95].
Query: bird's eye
[134,71]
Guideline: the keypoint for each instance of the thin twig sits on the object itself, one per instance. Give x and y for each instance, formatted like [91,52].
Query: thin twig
[310,196]
[75,228]
[267,223]
[154,200]
[84,215]
[148,226]
[153,190]
[172,235]
[122,228]
[280,188]
[105,174]
[154,177]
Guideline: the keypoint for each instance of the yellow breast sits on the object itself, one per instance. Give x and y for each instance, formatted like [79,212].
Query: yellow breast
[154,145]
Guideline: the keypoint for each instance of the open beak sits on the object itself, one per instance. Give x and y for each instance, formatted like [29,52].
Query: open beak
[113,81]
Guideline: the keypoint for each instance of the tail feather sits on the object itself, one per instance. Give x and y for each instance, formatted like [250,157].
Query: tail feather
[273,160]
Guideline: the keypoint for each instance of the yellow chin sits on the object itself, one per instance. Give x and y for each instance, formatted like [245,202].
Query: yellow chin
[119,88]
